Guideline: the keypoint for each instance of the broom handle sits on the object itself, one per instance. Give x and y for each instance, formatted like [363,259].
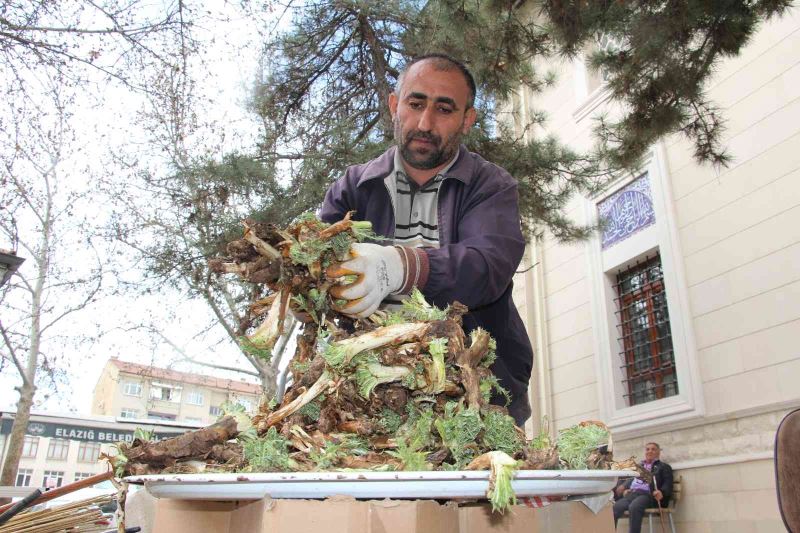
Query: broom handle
[66,489]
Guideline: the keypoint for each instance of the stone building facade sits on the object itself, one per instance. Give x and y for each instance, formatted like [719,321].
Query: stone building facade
[679,322]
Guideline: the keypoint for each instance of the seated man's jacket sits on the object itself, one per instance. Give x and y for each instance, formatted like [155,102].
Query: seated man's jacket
[662,479]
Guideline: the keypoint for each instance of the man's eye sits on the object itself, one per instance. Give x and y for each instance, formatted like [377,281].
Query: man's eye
[415,105]
[445,110]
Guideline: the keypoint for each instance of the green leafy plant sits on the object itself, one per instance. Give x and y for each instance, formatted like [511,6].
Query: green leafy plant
[577,442]
[500,433]
[459,430]
[269,453]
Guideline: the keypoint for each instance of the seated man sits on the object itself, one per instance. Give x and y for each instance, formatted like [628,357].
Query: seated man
[637,495]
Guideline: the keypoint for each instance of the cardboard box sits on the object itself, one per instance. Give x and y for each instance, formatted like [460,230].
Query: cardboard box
[346,515]
[558,517]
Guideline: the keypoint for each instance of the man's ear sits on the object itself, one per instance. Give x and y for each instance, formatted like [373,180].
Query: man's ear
[469,119]
[392,104]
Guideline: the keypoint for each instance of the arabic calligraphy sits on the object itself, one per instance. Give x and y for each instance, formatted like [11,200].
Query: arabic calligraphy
[627,211]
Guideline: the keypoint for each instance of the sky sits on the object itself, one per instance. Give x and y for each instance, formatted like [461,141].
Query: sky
[230,66]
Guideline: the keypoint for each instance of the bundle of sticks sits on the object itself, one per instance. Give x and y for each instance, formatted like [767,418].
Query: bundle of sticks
[80,516]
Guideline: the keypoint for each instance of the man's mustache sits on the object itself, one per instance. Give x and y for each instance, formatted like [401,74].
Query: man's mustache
[423,136]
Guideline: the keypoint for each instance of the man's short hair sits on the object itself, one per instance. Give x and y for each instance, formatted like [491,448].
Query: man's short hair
[654,444]
[445,63]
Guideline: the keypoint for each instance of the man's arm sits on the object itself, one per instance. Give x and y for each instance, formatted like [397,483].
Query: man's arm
[478,268]
[665,480]
[337,202]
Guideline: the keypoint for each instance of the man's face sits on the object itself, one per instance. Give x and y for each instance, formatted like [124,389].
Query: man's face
[651,453]
[430,115]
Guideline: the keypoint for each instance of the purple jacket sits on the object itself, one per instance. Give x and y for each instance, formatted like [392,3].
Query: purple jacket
[480,247]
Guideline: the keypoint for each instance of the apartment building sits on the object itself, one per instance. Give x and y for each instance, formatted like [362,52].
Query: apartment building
[133,391]
[679,323]
[63,448]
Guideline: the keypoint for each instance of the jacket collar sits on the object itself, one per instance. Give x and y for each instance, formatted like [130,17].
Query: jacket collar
[380,167]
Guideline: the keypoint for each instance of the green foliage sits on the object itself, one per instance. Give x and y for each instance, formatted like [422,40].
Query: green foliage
[269,453]
[335,357]
[362,230]
[332,71]
[413,460]
[500,433]
[459,430]
[665,56]
[314,305]
[415,307]
[253,348]
[369,372]
[243,422]
[299,367]
[310,251]
[542,441]
[327,457]
[144,435]
[437,375]
[417,430]
[307,252]
[120,462]
[490,385]
[491,354]
[390,421]
[413,437]
[312,409]
[501,494]
[340,246]
[577,442]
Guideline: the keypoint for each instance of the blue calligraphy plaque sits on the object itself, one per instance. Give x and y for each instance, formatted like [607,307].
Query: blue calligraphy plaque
[627,211]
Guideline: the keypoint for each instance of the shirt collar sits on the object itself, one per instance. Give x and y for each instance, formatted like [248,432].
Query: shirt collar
[460,168]
[399,168]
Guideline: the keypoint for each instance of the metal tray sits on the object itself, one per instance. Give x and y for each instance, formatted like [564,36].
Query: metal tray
[397,485]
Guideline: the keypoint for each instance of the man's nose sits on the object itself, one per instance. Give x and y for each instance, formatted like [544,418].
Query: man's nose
[426,120]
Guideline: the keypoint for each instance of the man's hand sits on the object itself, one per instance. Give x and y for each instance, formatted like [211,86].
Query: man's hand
[380,272]
[658,495]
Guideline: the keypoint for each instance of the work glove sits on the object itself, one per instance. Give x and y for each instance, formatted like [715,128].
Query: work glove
[380,272]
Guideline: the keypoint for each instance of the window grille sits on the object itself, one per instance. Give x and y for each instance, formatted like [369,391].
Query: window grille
[88,452]
[648,360]
[30,446]
[24,477]
[215,410]
[58,449]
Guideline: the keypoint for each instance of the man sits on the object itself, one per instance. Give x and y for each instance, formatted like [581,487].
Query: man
[636,495]
[452,217]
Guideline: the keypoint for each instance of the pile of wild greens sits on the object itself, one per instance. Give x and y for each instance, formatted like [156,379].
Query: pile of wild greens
[405,389]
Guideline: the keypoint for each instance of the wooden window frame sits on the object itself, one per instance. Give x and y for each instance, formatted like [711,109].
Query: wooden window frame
[657,369]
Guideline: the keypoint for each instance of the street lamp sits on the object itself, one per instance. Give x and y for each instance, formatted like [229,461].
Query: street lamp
[9,262]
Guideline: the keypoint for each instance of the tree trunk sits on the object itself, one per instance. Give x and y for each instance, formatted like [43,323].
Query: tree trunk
[17,437]
[381,74]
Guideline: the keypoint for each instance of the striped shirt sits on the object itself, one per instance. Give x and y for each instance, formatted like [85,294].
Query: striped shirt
[416,210]
[416,213]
